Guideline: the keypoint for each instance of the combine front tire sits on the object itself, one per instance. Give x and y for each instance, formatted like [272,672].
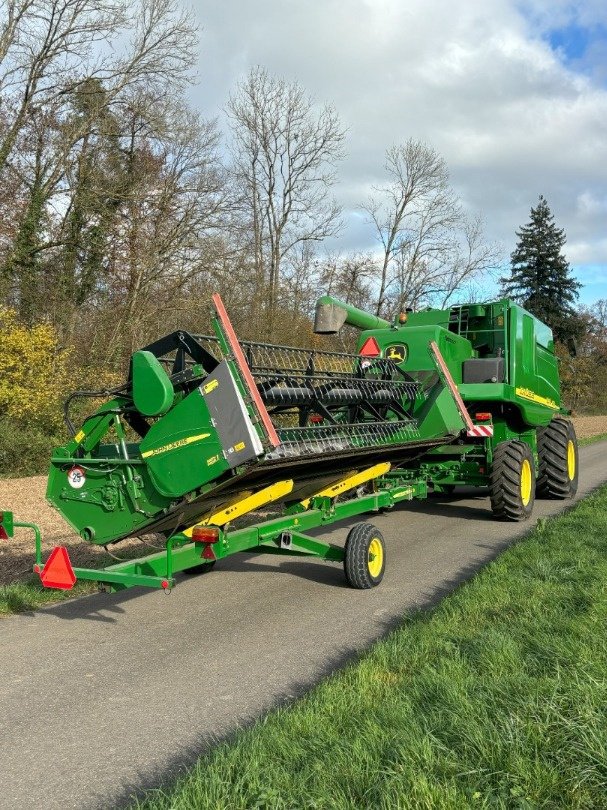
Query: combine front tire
[512,483]
[558,455]
[365,556]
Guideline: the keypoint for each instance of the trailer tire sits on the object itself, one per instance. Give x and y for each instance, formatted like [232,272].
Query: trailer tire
[200,569]
[512,481]
[558,460]
[365,556]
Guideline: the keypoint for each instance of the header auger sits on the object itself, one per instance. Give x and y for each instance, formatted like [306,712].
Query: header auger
[207,429]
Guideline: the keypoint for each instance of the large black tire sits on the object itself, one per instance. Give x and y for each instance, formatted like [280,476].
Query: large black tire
[512,481]
[558,460]
[365,556]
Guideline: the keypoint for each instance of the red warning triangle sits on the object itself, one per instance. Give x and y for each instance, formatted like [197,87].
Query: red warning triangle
[58,571]
[370,348]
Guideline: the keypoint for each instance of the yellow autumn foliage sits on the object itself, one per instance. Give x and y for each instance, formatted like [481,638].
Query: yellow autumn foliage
[33,373]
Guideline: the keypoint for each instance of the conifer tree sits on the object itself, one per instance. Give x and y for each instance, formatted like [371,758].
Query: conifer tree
[540,278]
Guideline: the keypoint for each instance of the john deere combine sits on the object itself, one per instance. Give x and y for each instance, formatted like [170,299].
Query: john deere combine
[206,430]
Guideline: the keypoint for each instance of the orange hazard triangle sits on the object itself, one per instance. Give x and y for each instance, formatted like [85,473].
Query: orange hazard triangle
[370,348]
[58,571]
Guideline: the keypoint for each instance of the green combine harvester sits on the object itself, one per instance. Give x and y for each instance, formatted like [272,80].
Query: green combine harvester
[208,430]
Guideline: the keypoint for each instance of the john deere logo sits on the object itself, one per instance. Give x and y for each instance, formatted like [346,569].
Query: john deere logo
[397,353]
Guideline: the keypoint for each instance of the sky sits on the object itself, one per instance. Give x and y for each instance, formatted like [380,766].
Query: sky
[512,94]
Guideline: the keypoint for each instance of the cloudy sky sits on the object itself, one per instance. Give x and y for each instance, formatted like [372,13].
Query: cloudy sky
[512,94]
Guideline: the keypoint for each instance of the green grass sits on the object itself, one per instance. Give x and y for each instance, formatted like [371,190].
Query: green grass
[592,439]
[497,698]
[19,597]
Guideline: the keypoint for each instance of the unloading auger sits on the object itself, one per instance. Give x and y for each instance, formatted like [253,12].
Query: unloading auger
[208,429]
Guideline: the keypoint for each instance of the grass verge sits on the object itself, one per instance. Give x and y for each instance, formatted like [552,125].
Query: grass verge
[19,597]
[497,698]
[592,439]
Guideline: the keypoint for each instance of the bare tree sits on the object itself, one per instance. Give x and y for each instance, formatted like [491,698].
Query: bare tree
[349,278]
[65,96]
[49,47]
[429,247]
[599,313]
[168,218]
[284,156]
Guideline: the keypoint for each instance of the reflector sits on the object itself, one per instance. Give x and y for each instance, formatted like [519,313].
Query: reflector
[370,348]
[58,571]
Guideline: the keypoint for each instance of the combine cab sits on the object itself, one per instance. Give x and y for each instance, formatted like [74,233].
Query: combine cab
[207,429]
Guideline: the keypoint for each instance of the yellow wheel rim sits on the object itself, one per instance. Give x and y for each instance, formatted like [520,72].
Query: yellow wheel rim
[571,459]
[376,557]
[526,480]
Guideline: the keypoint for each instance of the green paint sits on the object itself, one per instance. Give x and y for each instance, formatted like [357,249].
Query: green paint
[153,392]
[176,472]
[284,535]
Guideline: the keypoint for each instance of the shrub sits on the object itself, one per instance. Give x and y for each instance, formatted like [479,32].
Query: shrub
[33,373]
[35,379]
[24,450]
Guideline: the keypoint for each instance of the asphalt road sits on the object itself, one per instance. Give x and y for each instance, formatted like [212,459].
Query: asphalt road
[109,694]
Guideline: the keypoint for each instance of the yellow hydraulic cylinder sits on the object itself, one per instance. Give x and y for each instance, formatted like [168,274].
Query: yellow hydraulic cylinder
[351,482]
[245,503]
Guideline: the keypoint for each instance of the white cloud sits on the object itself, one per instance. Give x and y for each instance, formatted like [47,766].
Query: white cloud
[551,14]
[589,204]
[475,79]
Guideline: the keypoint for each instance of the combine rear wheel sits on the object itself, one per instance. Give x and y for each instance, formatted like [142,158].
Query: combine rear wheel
[512,484]
[365,556]
[558,455]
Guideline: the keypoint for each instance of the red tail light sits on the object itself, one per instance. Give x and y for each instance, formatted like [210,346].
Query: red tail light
[205,534]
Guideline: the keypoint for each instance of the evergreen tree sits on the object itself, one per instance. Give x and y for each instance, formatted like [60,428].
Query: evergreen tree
[540,278]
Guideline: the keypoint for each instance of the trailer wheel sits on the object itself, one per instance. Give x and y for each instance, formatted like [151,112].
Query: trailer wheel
[200,569]
[558,455]
[512,481]
[365,556]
